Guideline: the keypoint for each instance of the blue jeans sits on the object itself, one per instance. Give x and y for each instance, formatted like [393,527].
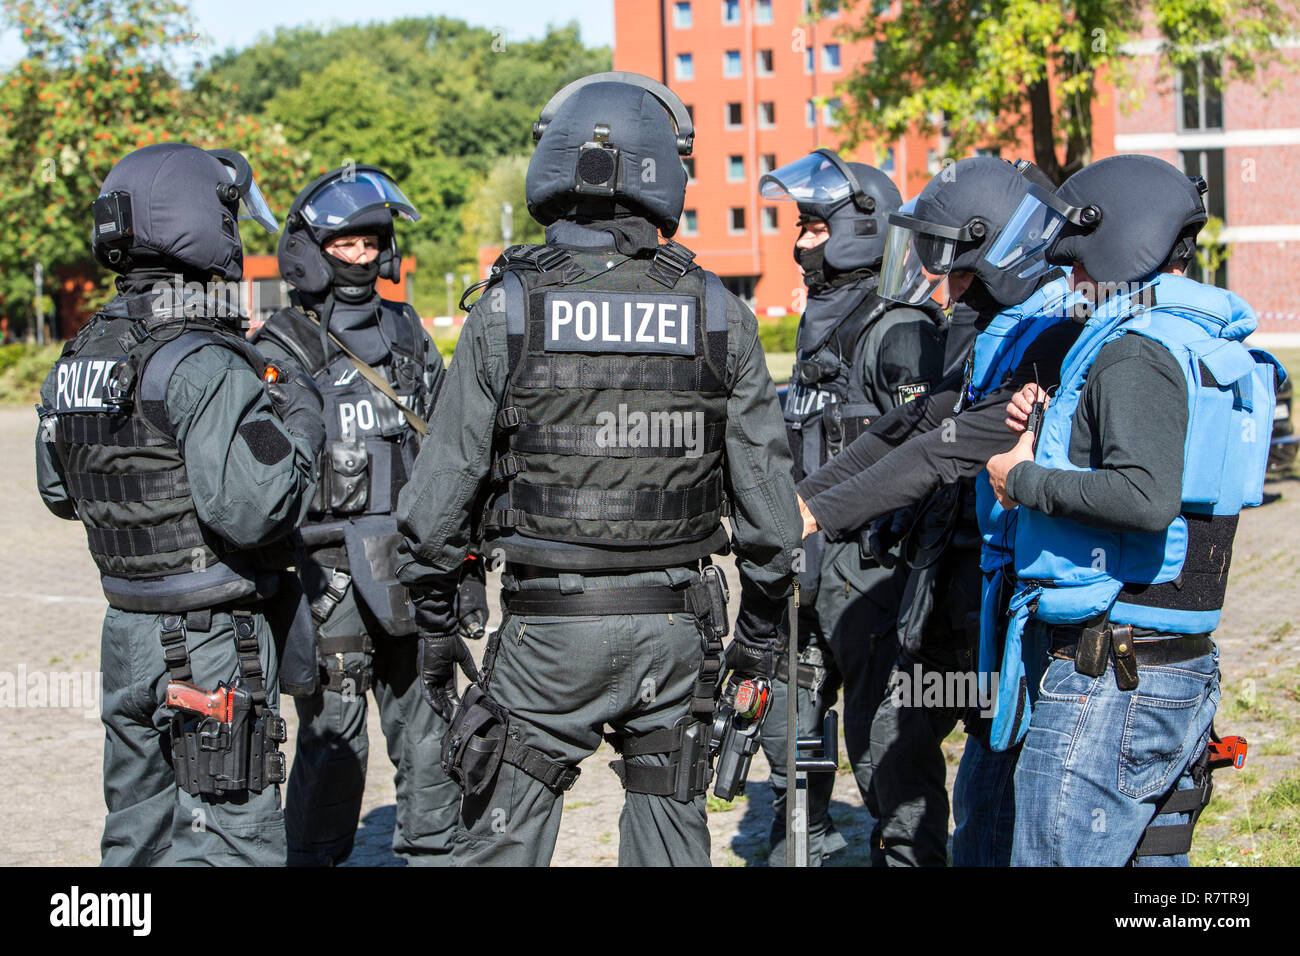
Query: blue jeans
[983,805]
[1097,759]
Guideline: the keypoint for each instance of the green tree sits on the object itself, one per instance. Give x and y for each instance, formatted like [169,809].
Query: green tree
[96,83]
[983,70]
[481,215]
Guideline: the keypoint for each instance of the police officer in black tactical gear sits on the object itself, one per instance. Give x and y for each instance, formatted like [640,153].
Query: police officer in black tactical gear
[858,357]
[160,435]
[379,373]
[927,455]
[608,404]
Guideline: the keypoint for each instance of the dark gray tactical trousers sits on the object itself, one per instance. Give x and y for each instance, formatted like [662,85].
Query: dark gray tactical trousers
[564,679]
[328,777]
[150,820]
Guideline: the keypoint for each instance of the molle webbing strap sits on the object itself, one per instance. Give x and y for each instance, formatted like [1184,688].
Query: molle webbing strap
[642,504]
[617,372]
[590,440]
[250,663]
[136,542]
[555,776]
[105,430]
[149,486]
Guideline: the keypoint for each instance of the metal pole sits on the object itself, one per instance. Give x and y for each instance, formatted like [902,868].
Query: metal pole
[451,278]
[507,223]
[38,277]
[796,808]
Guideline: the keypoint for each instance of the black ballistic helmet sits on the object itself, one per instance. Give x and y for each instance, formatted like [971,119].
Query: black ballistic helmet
[173,205]
[853,199]
[951,225]
[1127,217]
[610,142]
[350,200]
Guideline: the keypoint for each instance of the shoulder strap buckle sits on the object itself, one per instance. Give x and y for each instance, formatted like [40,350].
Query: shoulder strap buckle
[671,261]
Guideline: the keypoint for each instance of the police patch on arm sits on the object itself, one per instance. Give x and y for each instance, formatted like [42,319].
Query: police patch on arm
[908,392]
[265,441]
[620,322]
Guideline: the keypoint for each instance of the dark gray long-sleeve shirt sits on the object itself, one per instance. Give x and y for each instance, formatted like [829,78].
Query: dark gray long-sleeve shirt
[1131,428]
[925,444]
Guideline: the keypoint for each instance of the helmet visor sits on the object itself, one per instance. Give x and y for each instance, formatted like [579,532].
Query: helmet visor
[816,179]
[1021,247]
[916,262]
[251,201]
[334,203]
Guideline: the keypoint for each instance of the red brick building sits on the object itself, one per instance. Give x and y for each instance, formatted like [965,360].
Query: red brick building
[760,77]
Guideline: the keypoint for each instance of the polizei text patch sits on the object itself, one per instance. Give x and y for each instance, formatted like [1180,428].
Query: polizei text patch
[620,322]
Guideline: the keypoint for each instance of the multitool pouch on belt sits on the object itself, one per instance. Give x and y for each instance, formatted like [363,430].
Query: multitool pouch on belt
[1098,646]
[223,740]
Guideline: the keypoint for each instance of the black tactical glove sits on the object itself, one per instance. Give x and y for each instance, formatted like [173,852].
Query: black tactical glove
[747,660]
[298,402]
[471,601]
[440,650]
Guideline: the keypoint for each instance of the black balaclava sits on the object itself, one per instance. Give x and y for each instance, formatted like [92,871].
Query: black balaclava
[355,309]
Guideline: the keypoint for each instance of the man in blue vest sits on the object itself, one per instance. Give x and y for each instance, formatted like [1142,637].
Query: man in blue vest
[933,451]
[1155,440]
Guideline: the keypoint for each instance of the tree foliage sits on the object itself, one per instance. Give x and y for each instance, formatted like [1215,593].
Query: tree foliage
[436,102]
[983,70]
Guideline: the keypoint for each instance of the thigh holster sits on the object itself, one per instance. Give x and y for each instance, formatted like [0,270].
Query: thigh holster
[479,740]
[687,773]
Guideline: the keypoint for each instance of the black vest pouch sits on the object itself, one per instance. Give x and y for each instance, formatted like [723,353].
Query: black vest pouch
[372,556]
[345,485]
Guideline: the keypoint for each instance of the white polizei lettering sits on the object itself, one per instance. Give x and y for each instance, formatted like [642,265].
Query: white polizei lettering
[63,386]
[557,319]
[686,320]
[627,321]
[605,333]
[585,321]
[347,415]
[365,414]
[665,323]
[647,313]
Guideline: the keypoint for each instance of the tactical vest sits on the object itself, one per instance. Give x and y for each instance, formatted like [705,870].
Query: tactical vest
[828,405]
[611,432]
[369,452]
[124,471]
[1172,581]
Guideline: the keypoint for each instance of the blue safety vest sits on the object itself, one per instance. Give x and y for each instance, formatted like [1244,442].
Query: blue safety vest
[1072,573]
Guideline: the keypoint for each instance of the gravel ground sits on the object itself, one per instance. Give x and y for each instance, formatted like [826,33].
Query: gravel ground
[50,757]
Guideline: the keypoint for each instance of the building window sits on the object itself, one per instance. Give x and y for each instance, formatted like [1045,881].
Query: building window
[766,163]
[994,151]
[1201,95]
[690,222]
[1207,163]
[887,163]
[808,60]
[767,115]
[685,67]
[731,63]
[736,220]
[735,169]
[730,12]
[932,161]
[770,221]
[824,8]
[764,63]
[682,15]
[688,164]
[742,287]
[735,116]
[831,112]
[831,58]
[762,11]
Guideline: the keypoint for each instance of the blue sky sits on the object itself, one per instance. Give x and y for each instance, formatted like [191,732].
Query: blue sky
[238,23]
